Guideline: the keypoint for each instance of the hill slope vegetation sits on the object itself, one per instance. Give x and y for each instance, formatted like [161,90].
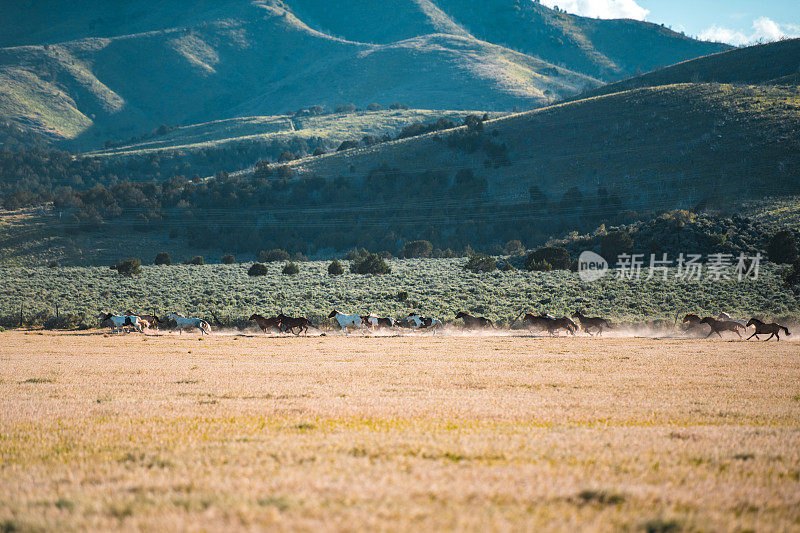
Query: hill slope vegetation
[92,72]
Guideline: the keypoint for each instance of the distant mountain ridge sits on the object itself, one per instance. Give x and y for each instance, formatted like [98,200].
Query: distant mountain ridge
[92,71]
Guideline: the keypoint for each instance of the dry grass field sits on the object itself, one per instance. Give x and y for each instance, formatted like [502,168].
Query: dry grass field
[397,433]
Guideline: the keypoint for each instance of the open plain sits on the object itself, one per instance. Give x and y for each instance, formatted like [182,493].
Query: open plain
[402,433]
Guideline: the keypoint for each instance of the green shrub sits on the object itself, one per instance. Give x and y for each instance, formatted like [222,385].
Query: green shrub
[162,258]
[131,266]
[2,329]
[290,269]
[370,264]
[273,256]
[480,263]
[791,276]
[402,296]
[257,269]
[782,247]
[228,260]
[615,243]
[416,249]
[53,264]
[355,254]
[507,267]
[196,260]
[514,248]
[554,257]
[335,268]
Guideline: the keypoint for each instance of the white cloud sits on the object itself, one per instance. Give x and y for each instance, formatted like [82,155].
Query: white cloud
[764,30]
[604,9]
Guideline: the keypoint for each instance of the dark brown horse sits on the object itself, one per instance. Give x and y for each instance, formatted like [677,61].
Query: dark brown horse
[763,328]
[378,322]
[266,323]
[550,323]
[591,322]
[718,326]
[474,322]
[289,323]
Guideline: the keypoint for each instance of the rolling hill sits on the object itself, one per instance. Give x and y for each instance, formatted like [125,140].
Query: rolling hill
[92,71]
[775,63]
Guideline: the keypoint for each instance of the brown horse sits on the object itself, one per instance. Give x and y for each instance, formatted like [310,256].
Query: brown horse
[266,323]
[289,323]
[718,326]
[474,322]
[152,320]
[588,322]
[550,323]
[763,328]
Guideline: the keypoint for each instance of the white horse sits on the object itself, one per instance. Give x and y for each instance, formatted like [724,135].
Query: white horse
[188,323]
[118,322]
[347,321]
[419,322]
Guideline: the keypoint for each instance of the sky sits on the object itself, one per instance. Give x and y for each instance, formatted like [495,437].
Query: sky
[738,22]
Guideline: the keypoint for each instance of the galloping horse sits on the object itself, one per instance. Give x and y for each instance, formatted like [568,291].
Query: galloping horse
[188,323]
[588,323]
[118,322]
[718,326]
[474,322]
[550,323]
[693,321]
[288,323]
[419,322]
[265,323]
[347,321]
[151,319]
[763,328]
[377,322]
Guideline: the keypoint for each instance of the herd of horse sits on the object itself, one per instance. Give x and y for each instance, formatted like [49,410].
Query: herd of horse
[542,322]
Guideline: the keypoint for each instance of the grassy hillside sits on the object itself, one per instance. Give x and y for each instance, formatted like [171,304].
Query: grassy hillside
[773,64]
[91,72]
[661,147]
[329,129]
[436,287]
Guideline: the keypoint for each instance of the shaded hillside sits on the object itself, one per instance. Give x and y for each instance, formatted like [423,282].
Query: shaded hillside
[605,49]
[774,63]
[91,72]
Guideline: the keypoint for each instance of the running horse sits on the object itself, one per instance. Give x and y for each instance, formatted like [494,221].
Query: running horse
[474,322]
[288,323]
[189,323]
[591,322]
[266,323]
[763,328]
[378,322]
[419,322]
[718,326]
[550,323]
[150,319]
[118,322]
[347,321]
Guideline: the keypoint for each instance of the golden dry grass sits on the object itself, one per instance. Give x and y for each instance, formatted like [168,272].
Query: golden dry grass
[409,433]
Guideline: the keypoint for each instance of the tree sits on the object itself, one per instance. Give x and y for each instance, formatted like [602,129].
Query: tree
[290,269]
[196,260]
[782,247]
[273,256]
[319,151]
[416,249]
[286,156]
[615,243]
[480,263]
[335,268]
[129,267]
[257,269]
[374,107]
[514,248]
[791,276]
[228,260]
[346,145]
[162,258]
[548,258]
[370,264]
